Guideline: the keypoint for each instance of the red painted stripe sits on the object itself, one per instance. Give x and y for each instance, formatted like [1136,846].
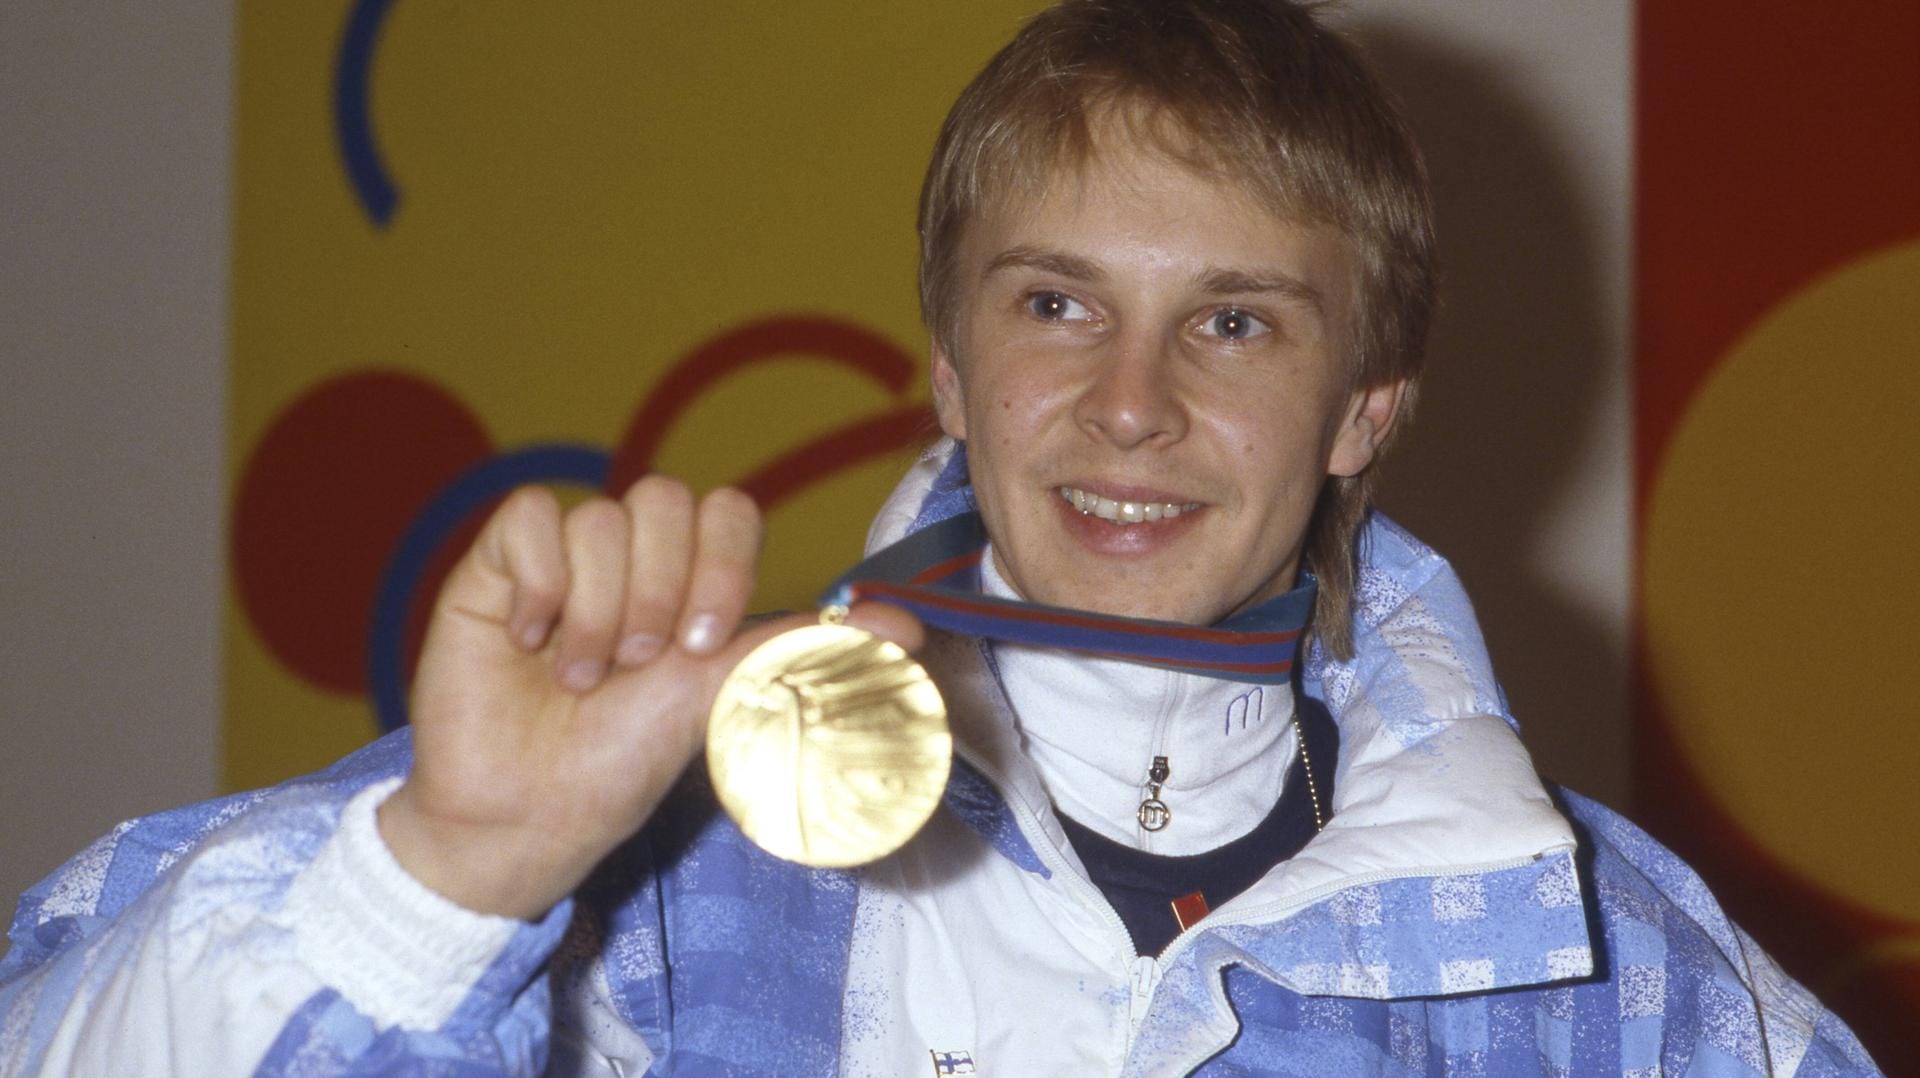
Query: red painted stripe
[1228,637]
[787,475]
[846,344]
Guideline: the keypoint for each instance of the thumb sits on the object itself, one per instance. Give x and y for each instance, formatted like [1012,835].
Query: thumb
[889,622]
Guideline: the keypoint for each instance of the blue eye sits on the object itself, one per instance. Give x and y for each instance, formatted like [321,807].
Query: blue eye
[1234,324]
[1056,307]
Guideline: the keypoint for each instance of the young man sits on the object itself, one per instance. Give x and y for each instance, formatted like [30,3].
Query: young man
[1177,269]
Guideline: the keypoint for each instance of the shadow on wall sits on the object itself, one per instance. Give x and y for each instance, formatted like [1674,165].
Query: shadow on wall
[1519,360]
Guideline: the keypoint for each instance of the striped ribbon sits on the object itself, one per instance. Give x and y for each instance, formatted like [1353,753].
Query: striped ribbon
[935,572]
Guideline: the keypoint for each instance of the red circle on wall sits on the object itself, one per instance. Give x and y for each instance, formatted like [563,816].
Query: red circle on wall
[325,497]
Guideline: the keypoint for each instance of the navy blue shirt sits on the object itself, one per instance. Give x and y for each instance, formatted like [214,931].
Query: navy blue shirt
[1141,886]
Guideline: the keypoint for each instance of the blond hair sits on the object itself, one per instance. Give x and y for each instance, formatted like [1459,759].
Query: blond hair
[1256,92]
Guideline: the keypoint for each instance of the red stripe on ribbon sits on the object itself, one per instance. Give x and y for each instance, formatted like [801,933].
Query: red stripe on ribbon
[873,588]
[943,570]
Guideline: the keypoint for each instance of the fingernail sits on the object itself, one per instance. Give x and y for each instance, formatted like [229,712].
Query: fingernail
[582,674]
[638,648]
[702,635]
[533,636]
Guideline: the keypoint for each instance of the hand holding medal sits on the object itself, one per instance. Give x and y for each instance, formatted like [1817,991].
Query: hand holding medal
[572,660]
[830,747]
[576,654]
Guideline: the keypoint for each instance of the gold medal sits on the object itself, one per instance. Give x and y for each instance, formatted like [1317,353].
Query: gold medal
[828,745]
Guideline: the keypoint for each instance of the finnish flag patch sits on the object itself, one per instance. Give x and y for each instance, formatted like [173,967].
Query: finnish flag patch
[945,1063]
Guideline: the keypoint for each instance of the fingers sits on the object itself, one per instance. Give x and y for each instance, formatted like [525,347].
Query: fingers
[661,516]
[596,538]
[650,569]
[727,534]
[614,583]
[520,544]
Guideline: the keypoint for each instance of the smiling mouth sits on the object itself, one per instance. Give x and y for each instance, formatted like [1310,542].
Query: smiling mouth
[1120,512]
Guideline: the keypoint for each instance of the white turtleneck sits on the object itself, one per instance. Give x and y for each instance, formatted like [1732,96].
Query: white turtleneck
[1093,726]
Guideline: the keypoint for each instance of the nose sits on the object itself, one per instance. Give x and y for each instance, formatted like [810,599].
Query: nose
[1131,397]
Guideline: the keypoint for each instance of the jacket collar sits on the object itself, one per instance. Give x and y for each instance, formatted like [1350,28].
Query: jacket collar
[1093,727]
[1445,867]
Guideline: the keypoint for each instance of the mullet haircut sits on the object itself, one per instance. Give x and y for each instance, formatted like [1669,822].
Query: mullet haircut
[1254,92]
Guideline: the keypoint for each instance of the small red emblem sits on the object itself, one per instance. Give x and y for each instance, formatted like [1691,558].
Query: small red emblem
[1188,909]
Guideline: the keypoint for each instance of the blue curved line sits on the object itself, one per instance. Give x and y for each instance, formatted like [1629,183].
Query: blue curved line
[353,70]
[471,490]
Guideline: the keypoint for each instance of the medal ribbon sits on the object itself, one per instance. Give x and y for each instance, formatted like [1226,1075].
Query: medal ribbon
[934,572]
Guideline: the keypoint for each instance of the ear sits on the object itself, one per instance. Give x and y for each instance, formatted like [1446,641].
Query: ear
[1364,427]
[948,401]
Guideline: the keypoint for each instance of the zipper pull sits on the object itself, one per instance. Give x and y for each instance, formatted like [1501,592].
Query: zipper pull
[1145,977]
[1153,813]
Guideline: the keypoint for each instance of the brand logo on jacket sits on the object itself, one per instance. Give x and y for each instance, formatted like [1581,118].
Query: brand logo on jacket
[1245,710]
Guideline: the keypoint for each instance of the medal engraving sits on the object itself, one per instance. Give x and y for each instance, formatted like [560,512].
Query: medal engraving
[829,746]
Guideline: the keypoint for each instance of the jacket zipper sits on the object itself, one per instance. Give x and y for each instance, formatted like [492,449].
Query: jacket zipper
[1141,972]
[1162,732]
[1146,977]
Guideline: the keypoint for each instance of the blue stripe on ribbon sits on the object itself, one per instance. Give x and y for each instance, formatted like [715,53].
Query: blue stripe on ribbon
[1257,646]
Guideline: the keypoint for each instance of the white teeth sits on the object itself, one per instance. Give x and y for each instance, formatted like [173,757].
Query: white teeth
[1122,512]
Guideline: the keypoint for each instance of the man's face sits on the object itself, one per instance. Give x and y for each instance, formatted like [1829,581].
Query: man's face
[1152,381]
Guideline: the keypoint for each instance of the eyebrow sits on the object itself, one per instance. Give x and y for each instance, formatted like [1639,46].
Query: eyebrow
[1023,256]
[1286,286]
[1214,281]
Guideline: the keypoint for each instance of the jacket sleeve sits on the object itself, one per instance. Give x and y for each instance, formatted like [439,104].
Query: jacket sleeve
[268,933]
[1719,991]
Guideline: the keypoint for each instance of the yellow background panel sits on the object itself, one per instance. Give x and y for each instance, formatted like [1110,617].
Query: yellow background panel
[1780,586]
[586,193]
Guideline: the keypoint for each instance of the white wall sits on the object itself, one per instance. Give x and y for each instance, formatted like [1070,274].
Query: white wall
[114,195]
[114,183]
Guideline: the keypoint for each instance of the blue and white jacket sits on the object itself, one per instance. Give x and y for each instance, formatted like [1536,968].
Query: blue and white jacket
[1456,916]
